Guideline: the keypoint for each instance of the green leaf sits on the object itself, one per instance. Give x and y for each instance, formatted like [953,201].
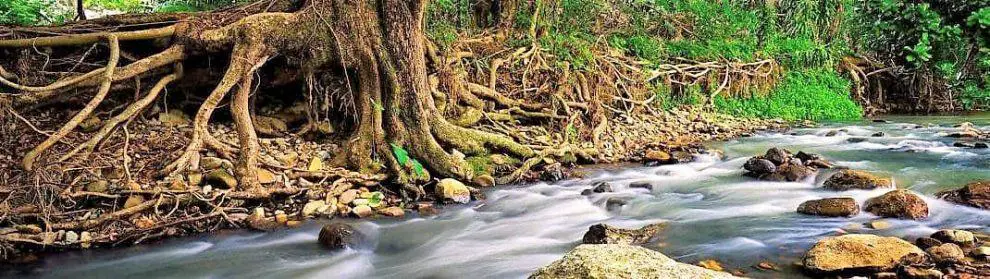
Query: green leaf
[400,154]
[376,199]
[418,168]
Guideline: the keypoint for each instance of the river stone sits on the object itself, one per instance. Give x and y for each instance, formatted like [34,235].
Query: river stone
[777,155]
[946,253]
[221,179]
[807,157]
[796,172]
[857,254]
[658,156]
[959,237]
[914,272]
[898,204]
[314,208]
[878,134]
[348,196]
[449,189]
[927,242]
[210,163]
[392,211]
[266,177]
[602,187]
[613,204]
[855,179]
[86,239]
[856,140]
[606,234]
[975,194]
[760,166]
[641,185]
[981,253]
[830,207]
[339,236]
[71,237]
[362,211]
[607,261]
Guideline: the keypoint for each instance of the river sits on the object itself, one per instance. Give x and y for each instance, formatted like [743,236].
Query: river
[712,212]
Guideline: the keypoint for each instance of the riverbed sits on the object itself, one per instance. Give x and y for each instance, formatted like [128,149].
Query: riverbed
[711,210]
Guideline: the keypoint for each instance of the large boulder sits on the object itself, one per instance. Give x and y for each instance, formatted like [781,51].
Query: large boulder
[760,166]
[946,253]
[857,254]
[959,237]
[778,165]
[830,207]
[778,155]
[339,236]
[898,204]
[593,261]
[605,234]
[856,179]
[452,190]
[975,194]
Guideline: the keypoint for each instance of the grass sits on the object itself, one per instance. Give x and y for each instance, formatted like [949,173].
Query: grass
[818,94]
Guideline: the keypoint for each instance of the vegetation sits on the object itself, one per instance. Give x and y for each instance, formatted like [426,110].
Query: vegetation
[31,12]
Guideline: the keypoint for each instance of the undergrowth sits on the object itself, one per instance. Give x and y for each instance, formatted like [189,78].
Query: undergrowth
[817,94]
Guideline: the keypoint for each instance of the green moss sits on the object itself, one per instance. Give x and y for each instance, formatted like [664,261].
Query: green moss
[480,164]
[819,94]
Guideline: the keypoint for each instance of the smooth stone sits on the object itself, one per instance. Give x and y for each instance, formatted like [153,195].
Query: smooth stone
[613,204]
[879,225]
[362,211]
[221,179]
[313,208]
[602,187]
[898,204]
[392,211]
[975,194]
[777,155]
[71,237]
[830,207]
[760,166]
[878,134]
[339,236]
[959,237]
[927,242]
[348,196]
[857,254]
[85,239]
[641,185]
[855,179]
[621,261]
[210,163]
[606,234]
[449,189]
[946,253]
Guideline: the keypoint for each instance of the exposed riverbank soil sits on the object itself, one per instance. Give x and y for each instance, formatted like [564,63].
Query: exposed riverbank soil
[338,108]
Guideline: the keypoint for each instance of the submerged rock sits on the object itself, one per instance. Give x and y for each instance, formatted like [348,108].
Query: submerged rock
[856,179]
[760,166]
[339,236]
[975,194]
[602,187]
[621,261]
[613,204]
[898,204]
[606,234]
[857,254]
[830,207]
[452,190]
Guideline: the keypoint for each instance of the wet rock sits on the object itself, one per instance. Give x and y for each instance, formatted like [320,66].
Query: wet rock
[362,211]
[959,237]
[794,173]
[426,209]
[392,211]
[221,179]
[552,173]
[621,261]
[348,196]
[587,192]
[830,207]
[927,242]
[711,265]
[281,217]
[658,157]
[641,185]
[857,254]
[981,253]
[683,157]
[314,208]
[258,221]
[602,187]
[86,240]
[606,234]
[856,140]
[879,225]
[880,121]
[878,134]
[759,166]
[613,204]
[963,144]
[913,272]
[808,156]
[449,189]
[855,179]
[99,186]
[339,236]
[484,180]
[965,134]
[946,253]
[981,145]
[832,133]
[898,204]
[777,155]
[975,194]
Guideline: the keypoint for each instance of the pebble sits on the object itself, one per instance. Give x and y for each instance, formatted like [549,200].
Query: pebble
[879,225]
[348,196]
[363,211]
[86,238]
[71,237]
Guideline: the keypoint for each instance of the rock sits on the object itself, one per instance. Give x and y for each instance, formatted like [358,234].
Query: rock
[778,156]
[552,173]
[898,204]
[975,194]
[606,234]
[946,253]
[601,187]
[830,207]
[314,208]
[221,179]
[258,221]
[449,189]
[587,192]
[174,118]
[484,180]
[195,179]
[965,134]
[913,272]
[133,200]
[856,254]
[959,237]
[981,145]
[293,224]
[348,196]
[339,236]
[268,125]
[878,134]
[392,211]
[807,157]
[927,242]
[855,179]
[880,121]
[683,157]
[856,140]
[711,265]
[613,204]
[879,225]
[426,209]
[315,164]
[99,186]
[658,157]
[621,261]
[281,217]
[362,211]
[981,253]
[266,176]
[86,240]
[71,237]
[134,186]
[832,133]
[210,163]
[765,265]
[963,145]
[796,172]
[759,166]
[91,124]
[642,185]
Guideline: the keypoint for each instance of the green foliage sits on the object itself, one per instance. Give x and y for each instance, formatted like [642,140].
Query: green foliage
[815,94]
[32,12]
[117,5]
[402,156]
[177,6]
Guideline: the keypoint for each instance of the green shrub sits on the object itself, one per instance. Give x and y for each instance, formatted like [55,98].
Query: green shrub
[819,94]
[32,12]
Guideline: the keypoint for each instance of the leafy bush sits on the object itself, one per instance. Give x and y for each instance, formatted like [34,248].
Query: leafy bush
[31,12]
[818,94]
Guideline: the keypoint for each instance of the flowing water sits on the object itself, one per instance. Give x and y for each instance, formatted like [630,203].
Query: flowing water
[712,212]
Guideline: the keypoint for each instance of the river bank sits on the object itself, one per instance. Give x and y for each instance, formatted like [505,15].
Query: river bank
[711,210]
